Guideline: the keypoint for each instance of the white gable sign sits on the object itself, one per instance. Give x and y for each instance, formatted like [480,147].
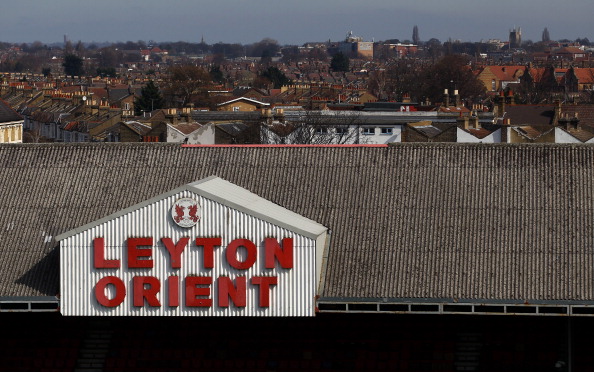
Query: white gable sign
[209,248]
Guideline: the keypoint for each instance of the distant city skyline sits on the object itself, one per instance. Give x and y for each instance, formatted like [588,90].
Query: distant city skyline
[242,21]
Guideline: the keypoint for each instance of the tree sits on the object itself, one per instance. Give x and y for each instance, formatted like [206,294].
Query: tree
[216,75]
[401,77]
[106,71]
[316,127]
[275,76]
[545,36]
[537,85]
[415,35]
[340,62]
[73,65]
[109,57]
[266,48]
[187,83]
[150,99]
[451,72]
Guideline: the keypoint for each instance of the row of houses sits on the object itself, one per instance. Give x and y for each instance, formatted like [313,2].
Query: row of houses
[78,113]
[570,80]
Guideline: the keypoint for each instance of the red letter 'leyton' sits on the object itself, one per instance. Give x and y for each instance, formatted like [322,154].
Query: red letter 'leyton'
[175,250]
[134,252]
[208,253]
[99,256]
[284,255]
[231,254]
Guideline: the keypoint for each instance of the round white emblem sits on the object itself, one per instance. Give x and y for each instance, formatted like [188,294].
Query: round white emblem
[185,212]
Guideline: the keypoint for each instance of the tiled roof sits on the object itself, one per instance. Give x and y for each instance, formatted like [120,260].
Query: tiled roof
[436,221]
[479,133]
[507,73]
[187,128]
[584,112]
[532,132]
[584,75]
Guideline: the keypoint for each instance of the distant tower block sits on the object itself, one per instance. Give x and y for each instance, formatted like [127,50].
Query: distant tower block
[515,38]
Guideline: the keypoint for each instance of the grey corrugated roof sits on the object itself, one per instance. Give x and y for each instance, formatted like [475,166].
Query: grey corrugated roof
[472,221]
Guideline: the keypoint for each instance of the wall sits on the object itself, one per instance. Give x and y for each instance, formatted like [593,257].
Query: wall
[11,132]
[465,137]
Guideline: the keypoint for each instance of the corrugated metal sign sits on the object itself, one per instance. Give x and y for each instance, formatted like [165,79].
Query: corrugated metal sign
[205,249]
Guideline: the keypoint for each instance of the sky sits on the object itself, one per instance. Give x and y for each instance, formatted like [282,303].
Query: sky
[290,22]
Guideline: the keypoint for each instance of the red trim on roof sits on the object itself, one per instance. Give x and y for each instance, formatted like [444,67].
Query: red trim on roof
[378,145]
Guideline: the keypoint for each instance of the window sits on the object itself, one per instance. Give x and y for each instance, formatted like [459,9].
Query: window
[321,130]
[341,130]
[368,131]
[387,131]
[236,108]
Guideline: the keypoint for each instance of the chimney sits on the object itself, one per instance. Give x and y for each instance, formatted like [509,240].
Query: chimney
[280,115]
[575,121]
[510,98]
[456,98]
[171,115]
[500,105]
[446,98]
[187,114]
[267,115]
[558,112]
[475,120]
[463,122]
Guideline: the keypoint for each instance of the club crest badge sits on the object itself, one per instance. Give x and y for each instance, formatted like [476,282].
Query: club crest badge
[185,212]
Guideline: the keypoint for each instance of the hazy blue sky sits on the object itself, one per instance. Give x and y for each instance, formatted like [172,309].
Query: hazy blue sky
[290,22]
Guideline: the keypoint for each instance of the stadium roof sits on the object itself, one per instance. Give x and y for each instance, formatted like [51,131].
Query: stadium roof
[449,222]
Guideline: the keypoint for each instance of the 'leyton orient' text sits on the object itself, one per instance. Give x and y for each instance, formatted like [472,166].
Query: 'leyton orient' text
[146,289]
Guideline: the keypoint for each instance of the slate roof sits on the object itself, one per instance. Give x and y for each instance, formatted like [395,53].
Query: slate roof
[426,128]
[584,112]
[7,114]
[530,114]
[440,221]
[582,133]
[532,132]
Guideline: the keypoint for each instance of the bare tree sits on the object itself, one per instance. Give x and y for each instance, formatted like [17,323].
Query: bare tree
[187,84]
[316,128]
